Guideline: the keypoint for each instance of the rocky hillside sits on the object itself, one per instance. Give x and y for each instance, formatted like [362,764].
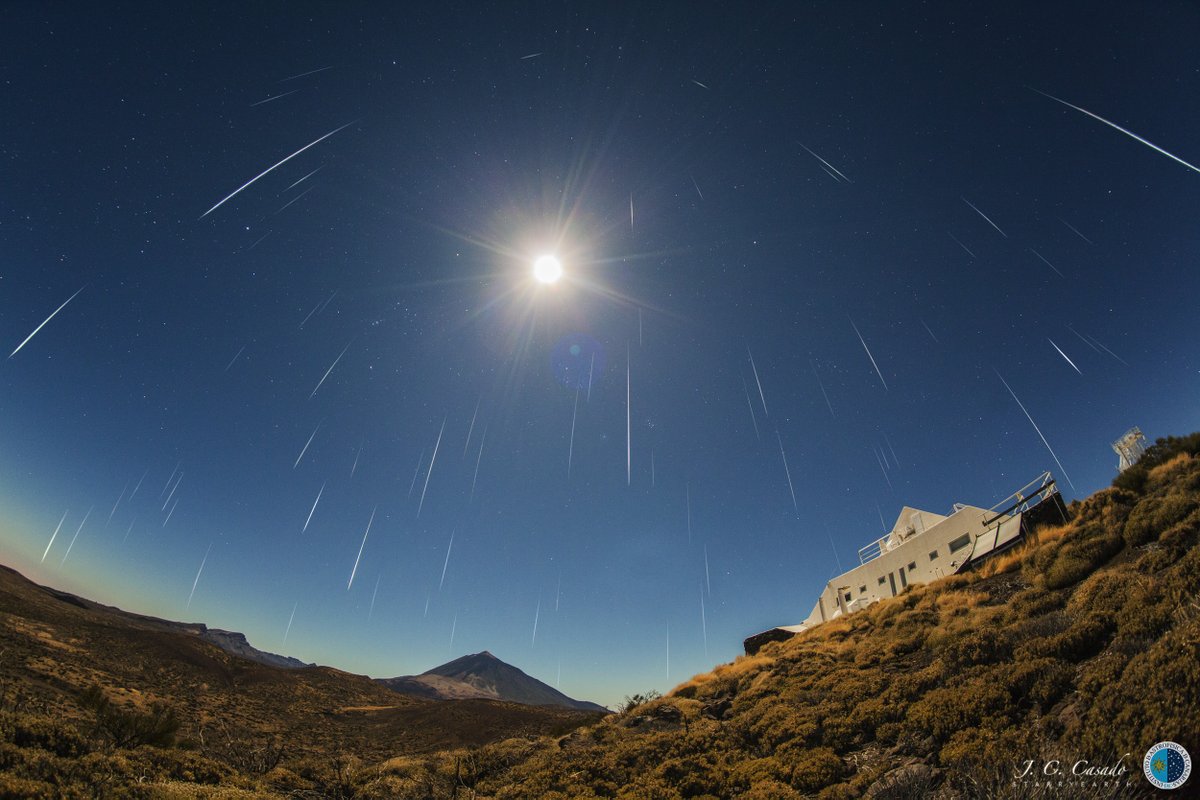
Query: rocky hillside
[1080,647]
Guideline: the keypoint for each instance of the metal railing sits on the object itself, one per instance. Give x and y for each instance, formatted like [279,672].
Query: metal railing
[1028,496]
[1031,494]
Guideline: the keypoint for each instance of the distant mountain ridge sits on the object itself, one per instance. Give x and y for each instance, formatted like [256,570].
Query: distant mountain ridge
[483,676]
[231,642]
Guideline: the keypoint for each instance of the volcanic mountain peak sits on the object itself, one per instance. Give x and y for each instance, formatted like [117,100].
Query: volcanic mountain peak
[483,675]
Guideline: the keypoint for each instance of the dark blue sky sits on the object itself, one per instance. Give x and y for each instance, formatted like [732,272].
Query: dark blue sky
[197,340]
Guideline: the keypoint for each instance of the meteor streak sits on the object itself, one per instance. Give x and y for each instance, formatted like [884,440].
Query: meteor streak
[294,199]
[278,164]
[927,330]
[167,485]
[628,426]
[114,508]
[416,472]
[478,459]
[697,187]
[1035,426]
[1115,126]
[788,473]
[1047,263]
[821,383]
[985,216]
[1064,355]
[169,513]
[303,74]
[47,319]
[314,508]
[873,364]
[1076,231]
[889,444]
[235,357]
[429,472]
[707,581]
[446,563]
[306,444]
[826,163]
[326,375]
[198,572]
[172,494]
[76,536]
[571,449]
[471,429]
[288,629]
[698,83]
[306,177]
[360,548]
[139,485]
[275,97]
[757,382]
[53,535]
[882,468]
[536,615]
[960,244]
[750,406]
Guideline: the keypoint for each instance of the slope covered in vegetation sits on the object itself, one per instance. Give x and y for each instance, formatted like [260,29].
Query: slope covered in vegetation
[1081,644]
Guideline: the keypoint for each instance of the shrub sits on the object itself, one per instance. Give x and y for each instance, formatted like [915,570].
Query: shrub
[12,786]
[44,733]
[1154,514]
[816,769]
[1077,558]
[131,728]
[979,647]
[1080,641]
[632,701]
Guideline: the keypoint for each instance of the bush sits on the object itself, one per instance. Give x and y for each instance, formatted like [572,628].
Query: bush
[978,647]
[43,733]
[1153,515]
[1080,641]
[1080,555]
[632,701]
[132,728]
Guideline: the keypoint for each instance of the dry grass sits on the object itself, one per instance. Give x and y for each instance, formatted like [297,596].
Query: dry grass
[742,665]
[1011,560]
[1164,470]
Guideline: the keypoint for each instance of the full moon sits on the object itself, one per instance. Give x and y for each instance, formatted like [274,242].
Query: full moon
[547,269]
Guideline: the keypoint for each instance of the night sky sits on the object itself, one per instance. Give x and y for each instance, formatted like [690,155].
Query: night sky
[583,477]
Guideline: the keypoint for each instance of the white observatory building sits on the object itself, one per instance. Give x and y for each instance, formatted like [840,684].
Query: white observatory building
[923,546]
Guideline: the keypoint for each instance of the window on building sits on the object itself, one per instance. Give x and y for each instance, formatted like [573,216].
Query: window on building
[847,597]
[882,580]
[862,590]
[960,542]
[912,565]
[933,556]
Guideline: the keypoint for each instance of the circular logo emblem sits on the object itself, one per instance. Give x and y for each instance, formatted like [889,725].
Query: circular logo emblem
[1167,765]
